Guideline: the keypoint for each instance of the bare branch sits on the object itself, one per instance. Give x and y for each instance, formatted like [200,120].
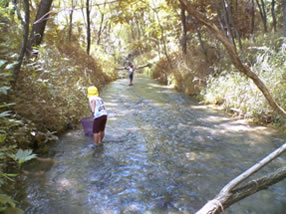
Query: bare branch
[219,204]
[228,195]
[254,169]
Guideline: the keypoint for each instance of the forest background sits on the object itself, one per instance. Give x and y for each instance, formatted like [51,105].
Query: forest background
[52,50]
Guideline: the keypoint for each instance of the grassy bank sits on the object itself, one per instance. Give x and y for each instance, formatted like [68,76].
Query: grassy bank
[217,82]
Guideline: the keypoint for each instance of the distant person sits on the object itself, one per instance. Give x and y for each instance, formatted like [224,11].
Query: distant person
[99,114]
[131,73]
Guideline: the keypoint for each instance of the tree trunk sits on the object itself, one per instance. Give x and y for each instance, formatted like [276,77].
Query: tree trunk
[202,44]
[100,28]
[233,25]
[252,19]
[39,26]
[71,21]
[223,28]
[88,27]
[184,27]
[138,32]
[227,22]
[235,58]
[284,18]
[262,14]
[133,32]
[82,6]
[25,24]
[232,192]
[163,36]
[274,15]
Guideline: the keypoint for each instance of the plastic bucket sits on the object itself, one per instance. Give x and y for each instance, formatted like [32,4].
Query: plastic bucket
[87,124]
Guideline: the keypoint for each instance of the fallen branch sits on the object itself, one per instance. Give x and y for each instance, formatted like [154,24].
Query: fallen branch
[229,194]
[136,68]
[143,66]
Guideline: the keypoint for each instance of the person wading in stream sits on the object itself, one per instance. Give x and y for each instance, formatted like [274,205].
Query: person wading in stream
[99,114]
[131,73]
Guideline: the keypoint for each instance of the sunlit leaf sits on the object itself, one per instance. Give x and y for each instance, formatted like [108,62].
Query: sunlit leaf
[4,90]
[16,122]
[11,66]
[22,156]
[3,137]
[2,62]
[5,114]
[12,175]
[7,105]
[8,176]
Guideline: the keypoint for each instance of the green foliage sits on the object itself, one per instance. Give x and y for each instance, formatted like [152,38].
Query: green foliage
[3,3]
[8,205]
[5,202]
[5,151]
[3,136]
[23,156]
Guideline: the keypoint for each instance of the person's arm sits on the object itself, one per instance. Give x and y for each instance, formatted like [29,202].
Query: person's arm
[93,107]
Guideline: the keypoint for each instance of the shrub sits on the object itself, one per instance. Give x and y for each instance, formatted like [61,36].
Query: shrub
[237,92]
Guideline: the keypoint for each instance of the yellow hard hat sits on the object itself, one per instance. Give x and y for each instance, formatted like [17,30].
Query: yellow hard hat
[92,91]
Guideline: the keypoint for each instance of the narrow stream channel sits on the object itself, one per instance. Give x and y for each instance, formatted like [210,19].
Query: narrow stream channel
[163,153]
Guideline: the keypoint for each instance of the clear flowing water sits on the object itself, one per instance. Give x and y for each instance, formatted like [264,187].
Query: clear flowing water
[163,153]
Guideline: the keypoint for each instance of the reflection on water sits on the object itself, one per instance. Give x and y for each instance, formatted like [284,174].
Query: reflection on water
[163,153]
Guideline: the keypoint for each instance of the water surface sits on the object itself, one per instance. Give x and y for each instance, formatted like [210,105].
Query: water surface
[163,153]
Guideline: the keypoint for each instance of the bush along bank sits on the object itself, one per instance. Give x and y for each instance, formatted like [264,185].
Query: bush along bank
[240,96]
[217,82]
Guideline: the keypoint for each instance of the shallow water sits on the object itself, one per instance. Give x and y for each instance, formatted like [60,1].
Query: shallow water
[163,153]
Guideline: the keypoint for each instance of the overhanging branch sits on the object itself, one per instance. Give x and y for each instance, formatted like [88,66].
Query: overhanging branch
[222,202]
[231,193]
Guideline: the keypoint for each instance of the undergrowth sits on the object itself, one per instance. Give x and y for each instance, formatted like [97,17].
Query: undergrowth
[218,82]
[187,73]
[240,95]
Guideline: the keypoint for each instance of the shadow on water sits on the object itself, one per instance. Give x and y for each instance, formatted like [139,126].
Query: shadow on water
[163,153]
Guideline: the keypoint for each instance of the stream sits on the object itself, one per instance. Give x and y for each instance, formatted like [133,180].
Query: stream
[163,153]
